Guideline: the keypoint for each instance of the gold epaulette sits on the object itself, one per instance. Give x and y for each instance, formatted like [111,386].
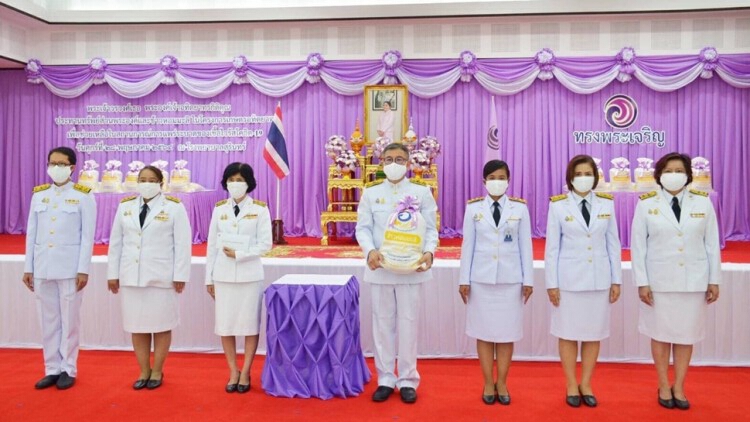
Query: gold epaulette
[42,187]
[222,202]
[473,200]
[259,203]
[558,197]
[648,195]
[514,199]
[173,199]
[418,182]
[81,188]
[374,183]
[699,192]
[128,198]
[605,195]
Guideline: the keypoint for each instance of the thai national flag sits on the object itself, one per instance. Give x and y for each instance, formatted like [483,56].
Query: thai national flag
[275,149]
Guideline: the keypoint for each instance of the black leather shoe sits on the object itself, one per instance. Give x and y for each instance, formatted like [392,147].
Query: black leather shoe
[588,399]
[680,404]
[243,388]
[504,400]
[154,384]
[65,381]
[231,388]
[668,403]
[140,384]
[382,393]
[489,398]
[573,401]
[46,382]
[408,395]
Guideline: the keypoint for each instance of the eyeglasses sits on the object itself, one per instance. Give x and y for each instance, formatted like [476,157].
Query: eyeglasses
[398,160]
[58,165]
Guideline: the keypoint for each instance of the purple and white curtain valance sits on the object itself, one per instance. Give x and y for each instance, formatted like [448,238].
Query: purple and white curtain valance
[425,78]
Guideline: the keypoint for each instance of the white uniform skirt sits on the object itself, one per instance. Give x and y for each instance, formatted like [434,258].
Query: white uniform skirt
[581,316]
[495,312]
[676,317]
[238,307]
[149,309]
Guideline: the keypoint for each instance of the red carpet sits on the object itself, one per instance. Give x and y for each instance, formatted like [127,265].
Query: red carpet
[450,391]
[304,247]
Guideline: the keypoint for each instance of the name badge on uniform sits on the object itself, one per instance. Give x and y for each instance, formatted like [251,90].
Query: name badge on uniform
[698,215]
[162,216]
[478,217]
[514,218]
[604,216]
[72,201]
[45,201]
[569,218]
[250,216]
[223,217]
[508,237]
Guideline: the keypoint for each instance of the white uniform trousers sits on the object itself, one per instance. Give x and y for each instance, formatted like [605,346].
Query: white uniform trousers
[59,308]
[395,310]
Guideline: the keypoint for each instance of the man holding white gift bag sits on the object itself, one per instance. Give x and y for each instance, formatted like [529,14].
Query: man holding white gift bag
[395,295]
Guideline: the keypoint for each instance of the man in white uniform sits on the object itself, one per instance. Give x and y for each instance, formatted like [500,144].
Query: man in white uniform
[395,297]
[59,244]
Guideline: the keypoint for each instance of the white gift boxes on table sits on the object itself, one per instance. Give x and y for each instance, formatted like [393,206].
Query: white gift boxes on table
[89,175]
[619,175]
[701,174]
[403,239]
[131,180]
[180,177]
[112,177]
[644,175]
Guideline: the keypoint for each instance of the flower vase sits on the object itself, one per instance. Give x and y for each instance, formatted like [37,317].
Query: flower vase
[418,173]
[346,173]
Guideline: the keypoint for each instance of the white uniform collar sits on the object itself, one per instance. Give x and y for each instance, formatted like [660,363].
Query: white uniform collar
[668,196]
[578,198]
[67,186]
[242,203]
[398,185]
[151,201]
[502,201]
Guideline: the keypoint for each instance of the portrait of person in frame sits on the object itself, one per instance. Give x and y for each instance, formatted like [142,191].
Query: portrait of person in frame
[385,112]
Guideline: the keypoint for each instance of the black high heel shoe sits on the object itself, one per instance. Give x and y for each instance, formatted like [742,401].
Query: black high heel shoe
[154,384]
[588,399]
[489,398]
[668,403]
[231,388]
[680,404]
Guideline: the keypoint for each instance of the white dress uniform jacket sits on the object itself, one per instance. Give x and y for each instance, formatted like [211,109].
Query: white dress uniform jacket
[155,255]
[671,256]
[60,231]
[497,255]
[378,202]
[253,221]
[578,257]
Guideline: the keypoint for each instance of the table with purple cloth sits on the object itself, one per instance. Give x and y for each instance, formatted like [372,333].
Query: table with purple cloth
[199,206]
[625,203]
[313,346]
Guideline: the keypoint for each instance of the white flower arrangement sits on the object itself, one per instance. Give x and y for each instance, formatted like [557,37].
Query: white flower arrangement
[335,146]
[419,160]
[347,160]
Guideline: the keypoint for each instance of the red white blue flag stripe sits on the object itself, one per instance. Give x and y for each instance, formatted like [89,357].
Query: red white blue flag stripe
[274,151]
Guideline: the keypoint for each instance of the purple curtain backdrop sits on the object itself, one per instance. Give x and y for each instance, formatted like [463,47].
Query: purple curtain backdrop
[708,118]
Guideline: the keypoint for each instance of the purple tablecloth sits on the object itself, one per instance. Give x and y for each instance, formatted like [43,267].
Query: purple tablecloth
[313,341]
[199,206]
[625,203]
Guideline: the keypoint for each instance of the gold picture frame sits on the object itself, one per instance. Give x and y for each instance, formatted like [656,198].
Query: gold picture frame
[375,98]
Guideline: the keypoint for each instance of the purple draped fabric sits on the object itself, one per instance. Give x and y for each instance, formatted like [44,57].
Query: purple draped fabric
[708,118]
[313,341]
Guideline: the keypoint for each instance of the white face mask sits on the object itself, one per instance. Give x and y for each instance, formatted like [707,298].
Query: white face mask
[237,189]
[673,181]
[496,187]
[583,184]
[59,174]
[394,171]
[148,190]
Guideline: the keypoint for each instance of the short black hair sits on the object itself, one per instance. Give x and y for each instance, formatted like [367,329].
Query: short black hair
[68,152]
[493,166]
[156,171]
[663,161]
[244,170]
[396,146]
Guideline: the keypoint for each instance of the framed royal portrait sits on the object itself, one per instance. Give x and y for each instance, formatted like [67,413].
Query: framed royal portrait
[386,112]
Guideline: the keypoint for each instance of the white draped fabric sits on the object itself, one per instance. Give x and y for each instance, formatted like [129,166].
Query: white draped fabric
[442,314]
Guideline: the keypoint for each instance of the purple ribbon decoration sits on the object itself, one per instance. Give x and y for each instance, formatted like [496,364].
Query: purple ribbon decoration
[391,62]
[240,68]
[545,59]
[315,62]
[34,71]
[626,60]
[408,204]
[621,163]
[710,58]
[97,67]
[169,66]
[468,62]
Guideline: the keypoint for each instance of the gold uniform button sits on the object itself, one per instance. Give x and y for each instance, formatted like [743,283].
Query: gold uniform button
[54,206]
[590,260]
[589,247]
[588,235]
[51,232]
[136,261]
[681,250]
[50,245]
[494,257]
[680,235]
[54,218]
[682,264]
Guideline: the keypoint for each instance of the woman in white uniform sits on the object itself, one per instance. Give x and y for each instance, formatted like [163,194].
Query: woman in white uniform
[676,265]
[149,263]
[583,273]
[239,234]
[496,276]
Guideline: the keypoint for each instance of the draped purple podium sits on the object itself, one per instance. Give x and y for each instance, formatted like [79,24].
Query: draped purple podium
[199,206]
[312,336]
